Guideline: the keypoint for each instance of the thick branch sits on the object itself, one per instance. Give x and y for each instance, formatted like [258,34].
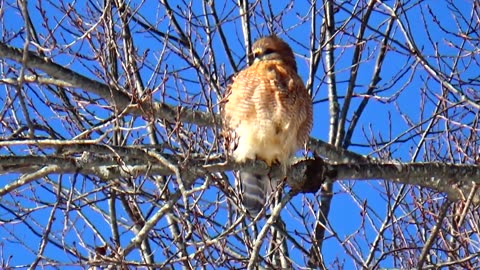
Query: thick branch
[456,181]
[117,98]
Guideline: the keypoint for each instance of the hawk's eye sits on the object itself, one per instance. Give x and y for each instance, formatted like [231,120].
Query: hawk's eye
[260,54]
[268,51]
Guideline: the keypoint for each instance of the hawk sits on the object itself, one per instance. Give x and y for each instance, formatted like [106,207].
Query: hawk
[267,115]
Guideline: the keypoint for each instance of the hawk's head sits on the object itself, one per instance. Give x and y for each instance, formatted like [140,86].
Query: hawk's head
[273,48]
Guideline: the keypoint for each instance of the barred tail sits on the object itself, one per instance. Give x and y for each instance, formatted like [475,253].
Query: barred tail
[254,189]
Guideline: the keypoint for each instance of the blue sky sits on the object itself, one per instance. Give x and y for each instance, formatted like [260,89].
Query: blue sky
[380,119]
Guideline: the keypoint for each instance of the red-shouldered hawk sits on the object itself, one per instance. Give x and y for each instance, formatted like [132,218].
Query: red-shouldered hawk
[267,115]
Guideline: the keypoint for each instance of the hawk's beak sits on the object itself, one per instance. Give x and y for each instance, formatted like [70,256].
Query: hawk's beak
[257,54]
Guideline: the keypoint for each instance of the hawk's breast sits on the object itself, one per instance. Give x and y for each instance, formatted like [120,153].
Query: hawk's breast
[265,114]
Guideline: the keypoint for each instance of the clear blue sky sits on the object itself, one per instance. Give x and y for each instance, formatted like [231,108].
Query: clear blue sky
[345,216]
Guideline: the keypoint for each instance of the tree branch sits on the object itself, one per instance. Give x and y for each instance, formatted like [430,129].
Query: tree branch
[118,98]
[307,175]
